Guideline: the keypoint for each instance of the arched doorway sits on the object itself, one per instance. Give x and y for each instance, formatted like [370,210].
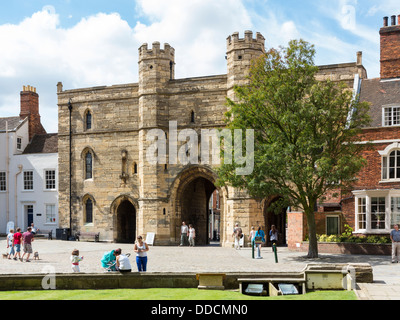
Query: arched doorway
[125,222]
[272,217]
[199,202]
[196,208]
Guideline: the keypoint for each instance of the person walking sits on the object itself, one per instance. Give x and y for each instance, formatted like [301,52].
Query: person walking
[192,235]
[184,234]
[237,234]
[260,233]
[17,244]
[395,237]
[75,259]
[141,249]
[27,238]
[252,235]
[10,244]
[273,236]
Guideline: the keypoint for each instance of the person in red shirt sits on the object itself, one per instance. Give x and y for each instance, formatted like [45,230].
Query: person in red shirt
[17,243]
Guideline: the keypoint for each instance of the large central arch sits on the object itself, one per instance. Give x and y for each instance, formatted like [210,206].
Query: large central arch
[190,194]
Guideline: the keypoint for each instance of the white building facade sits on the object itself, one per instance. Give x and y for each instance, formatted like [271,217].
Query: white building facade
[28,170]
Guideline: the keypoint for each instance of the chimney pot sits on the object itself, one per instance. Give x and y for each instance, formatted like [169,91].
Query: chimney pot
[393,20]
[398,19]
[385,21]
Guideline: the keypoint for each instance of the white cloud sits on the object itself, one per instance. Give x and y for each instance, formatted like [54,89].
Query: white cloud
[103,49]
[99,50]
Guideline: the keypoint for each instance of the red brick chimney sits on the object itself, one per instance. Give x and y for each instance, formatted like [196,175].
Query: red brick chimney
[30,109]
[390,48]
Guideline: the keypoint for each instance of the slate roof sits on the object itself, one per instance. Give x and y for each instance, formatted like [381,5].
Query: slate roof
[43,143]
[13,123]
[379,94]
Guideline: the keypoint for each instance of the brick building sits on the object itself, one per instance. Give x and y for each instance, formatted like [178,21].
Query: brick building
[372,207]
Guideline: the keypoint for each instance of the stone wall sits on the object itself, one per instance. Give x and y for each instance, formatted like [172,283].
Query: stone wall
[123,116]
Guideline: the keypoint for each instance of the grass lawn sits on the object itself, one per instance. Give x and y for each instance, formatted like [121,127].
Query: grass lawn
[164,294]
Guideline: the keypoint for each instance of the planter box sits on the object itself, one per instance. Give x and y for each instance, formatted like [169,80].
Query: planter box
[348,248]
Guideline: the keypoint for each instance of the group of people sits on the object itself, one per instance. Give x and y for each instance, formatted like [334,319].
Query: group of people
[16,241]
[254,235]
[188,235]
[115,260]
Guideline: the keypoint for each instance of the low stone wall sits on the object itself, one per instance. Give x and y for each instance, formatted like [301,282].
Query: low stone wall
[348,248]
[137,280]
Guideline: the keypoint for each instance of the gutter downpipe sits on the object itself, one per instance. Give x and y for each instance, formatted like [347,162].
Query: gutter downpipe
[7,176]
[20,167]
[70,166]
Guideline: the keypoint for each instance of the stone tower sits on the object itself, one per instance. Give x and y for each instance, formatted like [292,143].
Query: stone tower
[240,53]
[156,69]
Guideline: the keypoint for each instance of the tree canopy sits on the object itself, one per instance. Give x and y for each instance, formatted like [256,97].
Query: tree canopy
[304,131]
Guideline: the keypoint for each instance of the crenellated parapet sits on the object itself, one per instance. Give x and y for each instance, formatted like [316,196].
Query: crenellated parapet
[168,53]
[234,42]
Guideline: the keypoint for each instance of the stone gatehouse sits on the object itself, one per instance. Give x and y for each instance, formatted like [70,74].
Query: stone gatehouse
[106,184]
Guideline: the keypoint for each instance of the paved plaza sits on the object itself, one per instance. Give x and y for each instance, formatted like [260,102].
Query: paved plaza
[56,253]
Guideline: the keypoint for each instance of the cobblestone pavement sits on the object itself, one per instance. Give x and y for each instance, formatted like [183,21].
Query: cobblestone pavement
[56,253]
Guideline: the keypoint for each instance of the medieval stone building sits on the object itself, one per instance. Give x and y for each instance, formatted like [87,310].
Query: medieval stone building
[108,184]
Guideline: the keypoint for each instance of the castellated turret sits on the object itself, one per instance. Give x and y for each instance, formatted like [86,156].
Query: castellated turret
[156,66]
[240,53]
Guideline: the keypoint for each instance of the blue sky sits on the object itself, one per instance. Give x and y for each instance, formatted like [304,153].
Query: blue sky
[95,42]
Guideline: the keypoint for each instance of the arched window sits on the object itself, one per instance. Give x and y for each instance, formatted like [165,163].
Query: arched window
[88,166]
[88,120]
[89,211]
[391,162]
[391,166]
[135,168]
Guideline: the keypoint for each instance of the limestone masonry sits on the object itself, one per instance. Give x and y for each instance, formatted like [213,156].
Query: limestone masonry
[115,191]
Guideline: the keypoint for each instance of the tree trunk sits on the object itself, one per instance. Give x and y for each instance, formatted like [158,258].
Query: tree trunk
[312,235]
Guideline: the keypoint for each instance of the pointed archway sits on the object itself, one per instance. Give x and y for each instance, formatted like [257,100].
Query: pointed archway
[278,219]
[124,212]
[192,191]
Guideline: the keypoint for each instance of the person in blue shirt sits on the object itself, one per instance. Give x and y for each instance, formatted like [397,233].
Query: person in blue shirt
[395,237]
[260,233]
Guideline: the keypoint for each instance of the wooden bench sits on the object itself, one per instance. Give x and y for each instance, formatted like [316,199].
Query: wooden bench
[87,235]
[44,233]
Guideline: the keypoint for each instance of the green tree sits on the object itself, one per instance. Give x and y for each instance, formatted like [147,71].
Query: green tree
[304,130]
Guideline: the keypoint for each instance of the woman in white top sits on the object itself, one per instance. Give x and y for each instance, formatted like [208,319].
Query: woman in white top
[141,249]
[122,262]
[192,235]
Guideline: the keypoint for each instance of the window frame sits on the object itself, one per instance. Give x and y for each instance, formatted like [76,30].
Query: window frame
[25,181]
[3,181]
[394,118]
[386,167]
[88,117]
[368,195]
[54,214]
[46,179]
[87,177]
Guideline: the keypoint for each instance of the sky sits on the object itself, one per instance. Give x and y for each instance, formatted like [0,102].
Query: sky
[95,42]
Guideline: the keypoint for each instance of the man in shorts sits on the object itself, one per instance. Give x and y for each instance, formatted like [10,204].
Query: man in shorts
[27,238]
[17,244]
